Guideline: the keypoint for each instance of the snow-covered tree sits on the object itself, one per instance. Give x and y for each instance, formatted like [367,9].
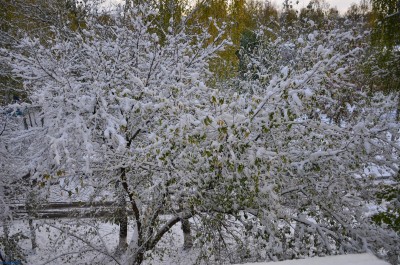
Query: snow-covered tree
[112,101]
[272,167]
[323,136]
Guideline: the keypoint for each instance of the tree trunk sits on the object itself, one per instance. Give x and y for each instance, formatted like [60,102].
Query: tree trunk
[31,205]
[398,108]
[187,237]
[6,232]
[139,259]
[33,234]
[123,221]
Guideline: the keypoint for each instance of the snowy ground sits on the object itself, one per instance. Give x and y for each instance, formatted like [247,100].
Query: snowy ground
[86,240]
[351,259]
[62,241]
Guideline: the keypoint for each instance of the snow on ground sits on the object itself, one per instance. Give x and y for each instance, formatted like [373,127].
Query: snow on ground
[86,239]
[90,236]
[350,259]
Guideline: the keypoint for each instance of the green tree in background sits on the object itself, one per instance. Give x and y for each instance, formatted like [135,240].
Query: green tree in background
[385,72]
[35,18]
[386,39]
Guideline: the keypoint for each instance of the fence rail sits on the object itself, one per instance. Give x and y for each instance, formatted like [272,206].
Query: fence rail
[55,210]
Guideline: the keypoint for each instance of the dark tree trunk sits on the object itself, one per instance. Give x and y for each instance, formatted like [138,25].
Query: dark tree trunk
[139,259]
[122,216]
[33,234]
[122,220]
[187,237]
[7,246]
[32,206]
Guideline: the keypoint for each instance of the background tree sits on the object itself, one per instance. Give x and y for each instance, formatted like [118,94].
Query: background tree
[386,38]
[385,73]
[36,18]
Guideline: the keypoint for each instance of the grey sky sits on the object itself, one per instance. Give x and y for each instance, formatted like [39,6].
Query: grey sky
[341,5]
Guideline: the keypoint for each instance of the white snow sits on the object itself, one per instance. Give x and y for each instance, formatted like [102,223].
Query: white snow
[351,259]
[285,71]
